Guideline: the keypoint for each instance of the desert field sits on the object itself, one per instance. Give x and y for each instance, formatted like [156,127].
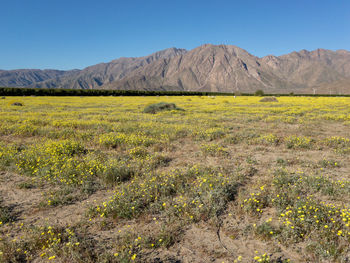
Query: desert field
[220,179]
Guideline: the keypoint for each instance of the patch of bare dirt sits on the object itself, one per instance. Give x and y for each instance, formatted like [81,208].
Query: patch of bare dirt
[25,203]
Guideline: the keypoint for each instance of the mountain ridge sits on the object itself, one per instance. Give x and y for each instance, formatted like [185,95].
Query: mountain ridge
[219,68]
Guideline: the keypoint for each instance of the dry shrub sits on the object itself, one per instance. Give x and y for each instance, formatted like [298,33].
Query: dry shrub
[269,99]
[161,106]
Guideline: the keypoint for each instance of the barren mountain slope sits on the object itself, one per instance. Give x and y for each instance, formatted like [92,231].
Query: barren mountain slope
[25,77]
[207,68]
[95,76]
[232,69]
[310,69]
[222,68]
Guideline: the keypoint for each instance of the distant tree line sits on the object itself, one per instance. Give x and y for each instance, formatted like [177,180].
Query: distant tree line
[6,91]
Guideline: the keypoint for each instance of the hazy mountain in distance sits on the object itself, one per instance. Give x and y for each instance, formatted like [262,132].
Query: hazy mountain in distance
[311,69]
[26,77]
[222,68]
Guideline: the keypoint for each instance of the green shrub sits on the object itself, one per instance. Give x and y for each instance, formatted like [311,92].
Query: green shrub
[295,142]
[16,103]
[259,93]
[161,106]
[117,172]
[214,150]
[5,214]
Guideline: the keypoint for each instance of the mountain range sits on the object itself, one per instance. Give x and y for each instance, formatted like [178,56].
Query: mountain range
[219,68]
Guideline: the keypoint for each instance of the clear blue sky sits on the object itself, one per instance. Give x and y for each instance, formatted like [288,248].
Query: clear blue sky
[67,34]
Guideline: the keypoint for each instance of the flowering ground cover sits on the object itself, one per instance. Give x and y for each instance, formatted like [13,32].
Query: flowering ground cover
[224,179]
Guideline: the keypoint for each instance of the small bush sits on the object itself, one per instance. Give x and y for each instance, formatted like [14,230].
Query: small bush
[161,106]
[259,93]
[26,185]
[114,140]
[64,196]
[17,104]
[294,142]
[268,139]
[269,99]
[214,150]
[117,172]
[5,214]
[266,231]
[210,134]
